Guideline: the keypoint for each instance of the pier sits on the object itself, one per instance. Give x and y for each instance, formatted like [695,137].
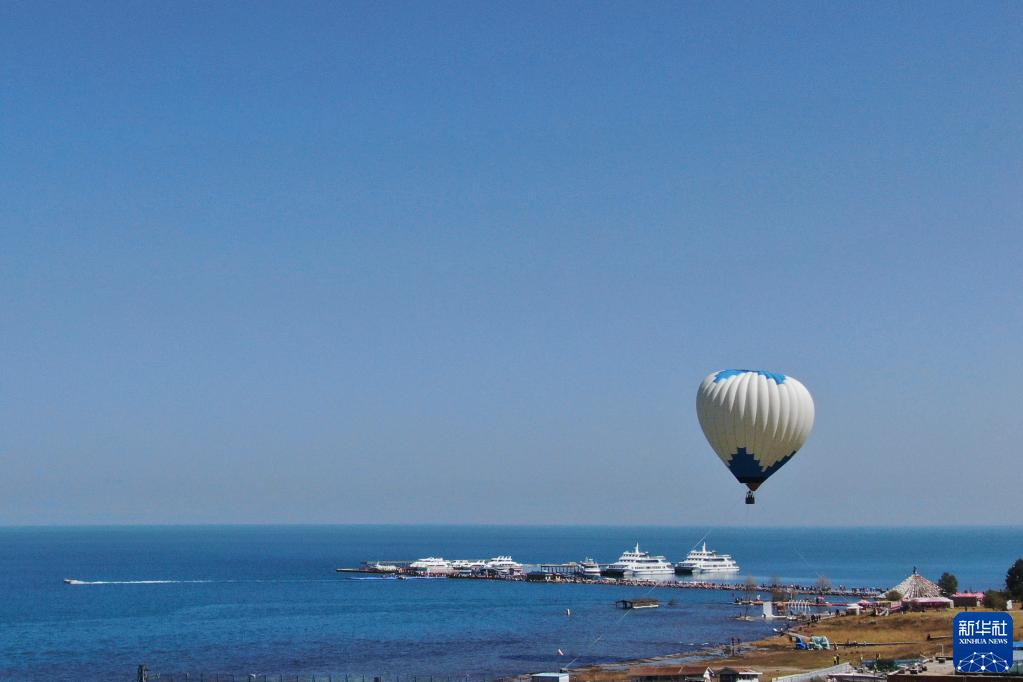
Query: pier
[378,567]
[568,573]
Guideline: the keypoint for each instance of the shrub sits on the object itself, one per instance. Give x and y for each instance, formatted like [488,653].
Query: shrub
[993,599]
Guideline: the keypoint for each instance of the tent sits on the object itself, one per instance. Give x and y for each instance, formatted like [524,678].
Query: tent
[917,587]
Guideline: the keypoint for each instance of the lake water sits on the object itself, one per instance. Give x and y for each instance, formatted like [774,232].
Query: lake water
[266,599]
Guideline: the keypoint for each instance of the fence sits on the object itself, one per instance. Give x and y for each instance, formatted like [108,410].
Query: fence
[818,674]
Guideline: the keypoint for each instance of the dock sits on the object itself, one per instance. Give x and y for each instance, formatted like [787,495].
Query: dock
[568,573]
[379,567]
[637,604]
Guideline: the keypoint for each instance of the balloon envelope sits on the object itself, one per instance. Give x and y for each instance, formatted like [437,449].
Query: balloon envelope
[755,420]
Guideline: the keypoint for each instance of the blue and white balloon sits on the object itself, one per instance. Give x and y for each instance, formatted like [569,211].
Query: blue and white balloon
[755,421]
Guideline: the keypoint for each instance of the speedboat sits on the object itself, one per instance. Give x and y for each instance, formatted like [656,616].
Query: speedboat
[639,565]
[704,560]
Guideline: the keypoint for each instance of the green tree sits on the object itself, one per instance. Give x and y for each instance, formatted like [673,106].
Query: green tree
[993,599]
[1014,580]
[948,584]
[893,595]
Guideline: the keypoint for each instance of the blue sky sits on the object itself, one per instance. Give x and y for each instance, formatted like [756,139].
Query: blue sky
[458,262]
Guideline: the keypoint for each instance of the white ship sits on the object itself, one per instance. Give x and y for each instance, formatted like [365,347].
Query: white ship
[588,568]
[639,565]
[467,568]
[504,564]
[704,560]
[432,565]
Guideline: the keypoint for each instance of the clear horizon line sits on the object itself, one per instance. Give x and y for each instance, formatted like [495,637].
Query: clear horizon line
[307,524]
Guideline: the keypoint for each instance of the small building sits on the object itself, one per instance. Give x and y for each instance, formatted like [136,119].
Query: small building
[549,677]
[927,603]
[929,677]
[968,598]
[568,570]
[739,675]
[671,673]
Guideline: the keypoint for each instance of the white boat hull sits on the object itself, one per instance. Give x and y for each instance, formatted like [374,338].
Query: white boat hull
[665,574]
[705,572]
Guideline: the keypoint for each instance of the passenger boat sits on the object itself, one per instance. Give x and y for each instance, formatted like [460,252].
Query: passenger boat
[588,568]
[504,565]
[639,565]
[468,565]
[431,565]
[704,560]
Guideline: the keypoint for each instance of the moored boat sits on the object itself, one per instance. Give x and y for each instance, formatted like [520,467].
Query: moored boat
[588,568]
[431,566]
[704,560]
[504,565]
[638,565]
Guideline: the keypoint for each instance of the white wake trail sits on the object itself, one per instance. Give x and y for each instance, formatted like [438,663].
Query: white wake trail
[131,582]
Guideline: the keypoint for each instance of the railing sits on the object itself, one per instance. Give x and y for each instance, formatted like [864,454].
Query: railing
[818,674]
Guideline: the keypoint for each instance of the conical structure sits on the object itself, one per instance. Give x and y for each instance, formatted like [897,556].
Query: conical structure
[917,587]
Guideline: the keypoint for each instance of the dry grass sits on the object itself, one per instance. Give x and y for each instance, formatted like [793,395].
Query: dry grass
[899,636]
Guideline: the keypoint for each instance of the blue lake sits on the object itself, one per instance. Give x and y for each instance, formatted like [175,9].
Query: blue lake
[266,599]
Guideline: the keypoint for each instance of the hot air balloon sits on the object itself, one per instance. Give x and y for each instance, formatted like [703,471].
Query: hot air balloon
[755,421]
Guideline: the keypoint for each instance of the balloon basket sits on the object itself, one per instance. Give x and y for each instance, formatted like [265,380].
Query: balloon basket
[750,499]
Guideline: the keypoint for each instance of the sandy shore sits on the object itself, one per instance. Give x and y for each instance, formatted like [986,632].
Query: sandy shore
[859,638]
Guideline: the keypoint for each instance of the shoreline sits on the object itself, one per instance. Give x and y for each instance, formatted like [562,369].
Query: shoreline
[857,639]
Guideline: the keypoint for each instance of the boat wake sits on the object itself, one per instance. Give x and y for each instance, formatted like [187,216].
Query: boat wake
[72,581]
